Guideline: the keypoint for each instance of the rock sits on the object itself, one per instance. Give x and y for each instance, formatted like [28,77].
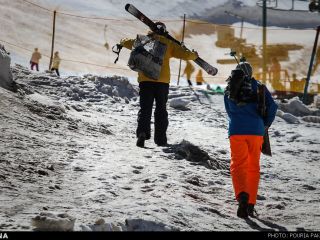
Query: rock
[136,171]
[50,167]
[42,172]
[179,103]
[100,221]
[47,221]
[78,108]
[312,119]
[101,226]
[145,225]
[279,113]
[317,101]
[6,80]
[308,187]
[194,181]
[289,118]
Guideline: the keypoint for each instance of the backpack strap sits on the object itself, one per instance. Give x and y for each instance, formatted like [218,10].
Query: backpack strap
[119,47]
[262,99]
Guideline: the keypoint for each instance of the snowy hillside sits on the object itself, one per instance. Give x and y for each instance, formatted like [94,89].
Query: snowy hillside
[176,8]
[68,148]
[81,40]
[280,13]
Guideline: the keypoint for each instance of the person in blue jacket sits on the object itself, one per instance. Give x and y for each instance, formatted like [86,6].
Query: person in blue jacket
[246,130]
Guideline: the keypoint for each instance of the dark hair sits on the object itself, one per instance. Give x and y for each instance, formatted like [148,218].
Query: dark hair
[161,26]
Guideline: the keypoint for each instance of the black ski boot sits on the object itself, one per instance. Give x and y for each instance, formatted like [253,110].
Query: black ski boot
[243,199]
[162,142]
[251,211]
[141,139]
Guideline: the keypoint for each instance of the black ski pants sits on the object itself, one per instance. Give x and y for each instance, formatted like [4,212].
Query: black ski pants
[150,92]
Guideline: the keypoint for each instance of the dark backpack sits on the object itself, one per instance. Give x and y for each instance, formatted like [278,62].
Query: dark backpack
[147,56]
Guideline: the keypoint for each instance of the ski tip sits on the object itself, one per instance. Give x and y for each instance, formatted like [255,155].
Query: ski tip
[127,6]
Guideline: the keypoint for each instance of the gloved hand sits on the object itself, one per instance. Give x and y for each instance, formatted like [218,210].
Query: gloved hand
[195,52]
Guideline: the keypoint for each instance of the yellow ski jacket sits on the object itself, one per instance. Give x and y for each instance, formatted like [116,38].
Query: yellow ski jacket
[56,62]
[35,57]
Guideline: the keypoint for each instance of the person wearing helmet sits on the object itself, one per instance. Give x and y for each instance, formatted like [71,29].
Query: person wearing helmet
[156,88]
[246,130]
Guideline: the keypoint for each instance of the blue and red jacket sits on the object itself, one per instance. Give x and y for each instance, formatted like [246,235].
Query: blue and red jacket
[246,120]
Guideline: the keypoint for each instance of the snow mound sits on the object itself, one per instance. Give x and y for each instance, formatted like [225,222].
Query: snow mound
[44,100]
[6,80]
[45,107]
[295,107]
[116,86]
[87,88]
[46,221]
[288,117]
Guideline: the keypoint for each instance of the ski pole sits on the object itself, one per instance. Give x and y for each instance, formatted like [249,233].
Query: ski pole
[233,54]
[242,59]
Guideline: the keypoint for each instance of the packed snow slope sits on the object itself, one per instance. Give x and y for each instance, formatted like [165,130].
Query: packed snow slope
[68,146]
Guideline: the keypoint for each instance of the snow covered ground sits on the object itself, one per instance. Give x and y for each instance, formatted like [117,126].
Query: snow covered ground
[68,147]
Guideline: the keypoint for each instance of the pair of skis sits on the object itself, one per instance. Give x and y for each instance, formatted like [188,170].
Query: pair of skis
[153,26]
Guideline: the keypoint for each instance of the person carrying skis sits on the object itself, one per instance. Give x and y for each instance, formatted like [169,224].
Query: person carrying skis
[34,61]
[156,89]
[246,130]
[189,69]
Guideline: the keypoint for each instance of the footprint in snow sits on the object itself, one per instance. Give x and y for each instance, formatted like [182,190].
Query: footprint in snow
[138,167]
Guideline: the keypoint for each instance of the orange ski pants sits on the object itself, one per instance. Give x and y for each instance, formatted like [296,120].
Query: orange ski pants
[245,164]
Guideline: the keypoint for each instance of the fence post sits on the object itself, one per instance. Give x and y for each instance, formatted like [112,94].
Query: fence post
[183,29]
[310,67]
[264,41]
[53,33]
